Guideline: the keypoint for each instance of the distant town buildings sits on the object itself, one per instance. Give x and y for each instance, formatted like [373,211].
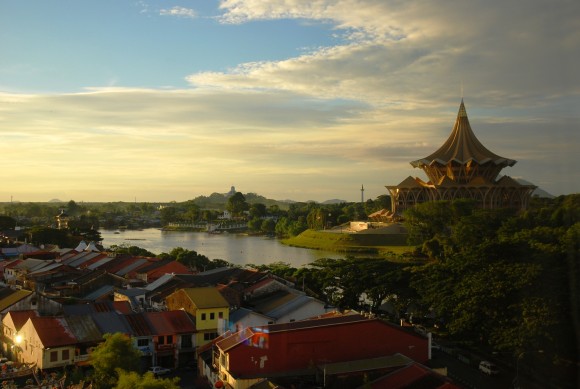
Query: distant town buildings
[461,168]
[240,327]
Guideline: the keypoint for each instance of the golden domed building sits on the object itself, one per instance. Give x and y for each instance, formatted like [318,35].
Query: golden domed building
[462,168]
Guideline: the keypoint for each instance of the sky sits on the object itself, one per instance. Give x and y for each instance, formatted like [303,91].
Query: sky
[158,101]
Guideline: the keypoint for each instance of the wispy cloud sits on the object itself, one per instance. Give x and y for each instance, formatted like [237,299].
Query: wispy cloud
[180,12]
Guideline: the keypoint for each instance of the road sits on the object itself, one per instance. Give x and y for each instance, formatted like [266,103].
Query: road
[470,377]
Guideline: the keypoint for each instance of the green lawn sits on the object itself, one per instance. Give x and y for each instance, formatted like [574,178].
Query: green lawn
[351,243]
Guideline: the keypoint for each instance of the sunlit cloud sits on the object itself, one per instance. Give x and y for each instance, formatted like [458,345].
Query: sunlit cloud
[323,122]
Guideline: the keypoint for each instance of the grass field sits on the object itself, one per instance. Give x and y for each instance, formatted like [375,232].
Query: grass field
[351,243]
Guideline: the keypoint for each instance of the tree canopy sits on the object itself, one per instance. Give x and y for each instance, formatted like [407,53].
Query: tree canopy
[116,352]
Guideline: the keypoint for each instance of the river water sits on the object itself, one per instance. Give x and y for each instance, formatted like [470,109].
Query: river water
[237,249]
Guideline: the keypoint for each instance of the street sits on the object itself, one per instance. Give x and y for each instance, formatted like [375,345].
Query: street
[469,376]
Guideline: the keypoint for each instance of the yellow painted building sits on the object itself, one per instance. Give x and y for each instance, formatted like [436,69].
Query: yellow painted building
[209,308]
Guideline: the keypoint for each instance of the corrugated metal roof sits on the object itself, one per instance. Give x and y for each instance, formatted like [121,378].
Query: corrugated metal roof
[13,298]
[133,266]
[19,318]
[78,262]
[31,264]
[289,306]
[234,339]
[75,257]
[270,302]
[53,331]
[103,290]
[139,324]
[84,329]
[111,322]
[99,263]
[170,322]
[160,281]
[389,361]
[46,268]
[206,297]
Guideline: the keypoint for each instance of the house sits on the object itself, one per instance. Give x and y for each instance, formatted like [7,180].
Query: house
[14,252]
[243,318]
[209,308]
[47,342]
[136,297]
[156,269]
[302,347]
[15,272]
[12,323]
[286,305]
[19,300]
[174,338]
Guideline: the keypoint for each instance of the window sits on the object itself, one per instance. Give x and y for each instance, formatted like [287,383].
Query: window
[54,356]
[65,355]
[220,315]
[210,335]
[169,339]
[142,342]
[161,339]
[212,316]
[186,341]
[203,316]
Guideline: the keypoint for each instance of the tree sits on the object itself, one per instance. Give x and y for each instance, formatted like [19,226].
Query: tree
[133,380]
[268,226]
[47,235]
[132,250]
[7,223]
[168,214]
[116,352]
[73,208]
[237,204]
[189,258]
[258,210]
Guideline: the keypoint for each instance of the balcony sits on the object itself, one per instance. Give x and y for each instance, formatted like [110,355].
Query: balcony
[81,358]
[164,347]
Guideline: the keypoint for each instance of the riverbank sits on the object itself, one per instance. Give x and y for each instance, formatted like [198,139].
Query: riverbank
[355,243]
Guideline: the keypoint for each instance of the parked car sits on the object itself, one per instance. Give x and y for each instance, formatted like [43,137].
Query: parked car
[488,368]
[159,370]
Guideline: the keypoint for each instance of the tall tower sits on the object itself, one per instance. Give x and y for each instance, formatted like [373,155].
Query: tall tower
[362,194]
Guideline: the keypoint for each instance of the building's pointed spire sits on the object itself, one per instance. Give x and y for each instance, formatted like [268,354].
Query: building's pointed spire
[463,147]
[462,111]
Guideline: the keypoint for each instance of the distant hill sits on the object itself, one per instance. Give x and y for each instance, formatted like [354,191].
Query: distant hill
[334,201]
[538,192]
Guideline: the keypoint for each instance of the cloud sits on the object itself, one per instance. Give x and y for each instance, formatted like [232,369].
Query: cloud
[419,52]
[320,124]
[180,12]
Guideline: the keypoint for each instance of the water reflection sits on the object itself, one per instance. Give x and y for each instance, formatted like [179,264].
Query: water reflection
[237,249]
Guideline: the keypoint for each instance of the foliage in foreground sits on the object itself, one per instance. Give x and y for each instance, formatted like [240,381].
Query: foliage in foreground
[506,280]
[115,354]
[133,380]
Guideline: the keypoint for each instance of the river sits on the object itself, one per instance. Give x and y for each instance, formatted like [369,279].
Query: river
[237,249]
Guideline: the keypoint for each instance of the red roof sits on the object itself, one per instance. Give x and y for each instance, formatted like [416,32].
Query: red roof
[139,324]
[415,376]
[171,267]
[19,318]
[53,331]
[171,322]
